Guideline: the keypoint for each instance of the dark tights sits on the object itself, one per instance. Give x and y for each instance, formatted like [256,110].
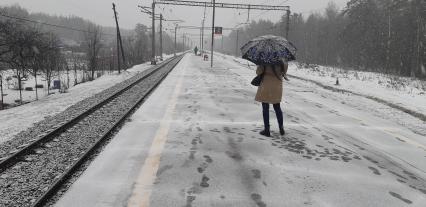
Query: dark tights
[278,112]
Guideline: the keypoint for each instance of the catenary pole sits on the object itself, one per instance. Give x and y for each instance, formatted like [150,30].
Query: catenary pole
[287,28]
[153,62]
[176,26]
[202,38]
[202,33]
[183,45]
[222,43]
[214,10]
[161,37]
[236,44]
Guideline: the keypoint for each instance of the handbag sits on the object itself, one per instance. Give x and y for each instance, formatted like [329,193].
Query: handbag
[257,80]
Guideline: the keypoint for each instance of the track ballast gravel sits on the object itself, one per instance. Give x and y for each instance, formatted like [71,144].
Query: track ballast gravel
[25,181]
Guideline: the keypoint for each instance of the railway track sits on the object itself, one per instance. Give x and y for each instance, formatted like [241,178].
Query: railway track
[33,172]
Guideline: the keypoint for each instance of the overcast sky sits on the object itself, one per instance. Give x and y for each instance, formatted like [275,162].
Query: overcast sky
[100,11]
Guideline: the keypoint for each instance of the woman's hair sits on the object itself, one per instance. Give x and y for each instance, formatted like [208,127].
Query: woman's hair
[281,65]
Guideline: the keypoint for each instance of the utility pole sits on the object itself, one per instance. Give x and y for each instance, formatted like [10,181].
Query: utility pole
[236,44]
[222,43]
[153,62]
[183,40]
[161,37]
[118,37]
[389,40]
[214,11]
[202,39]
[1,92]
[176,27]
[202,33]
[161,18]
[288,24]
[419,59]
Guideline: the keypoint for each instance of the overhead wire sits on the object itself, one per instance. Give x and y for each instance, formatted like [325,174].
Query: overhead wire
[264,2]
[267,10]
[49,24]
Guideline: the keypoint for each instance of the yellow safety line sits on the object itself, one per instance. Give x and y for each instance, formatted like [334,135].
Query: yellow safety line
[148,173]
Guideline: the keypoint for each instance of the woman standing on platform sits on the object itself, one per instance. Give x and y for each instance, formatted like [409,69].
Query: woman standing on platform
[271,54]
[270,91]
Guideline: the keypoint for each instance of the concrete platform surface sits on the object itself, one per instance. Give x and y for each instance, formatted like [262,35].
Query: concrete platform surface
[195,142]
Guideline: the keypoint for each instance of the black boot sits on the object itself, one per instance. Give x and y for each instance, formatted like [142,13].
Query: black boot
[282,131]
[266,132]
[265,109]
[279,114]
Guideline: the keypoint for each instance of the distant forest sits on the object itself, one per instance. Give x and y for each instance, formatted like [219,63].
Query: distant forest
[386,36]
[74,39]
[71,21]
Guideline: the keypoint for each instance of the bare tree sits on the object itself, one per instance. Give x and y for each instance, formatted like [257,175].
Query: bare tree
[18,47]
[43,49]
[50,58]
[93,46]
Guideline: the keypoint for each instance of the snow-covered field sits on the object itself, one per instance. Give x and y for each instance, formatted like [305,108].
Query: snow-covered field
[17,119]
[402,91]
[10,87]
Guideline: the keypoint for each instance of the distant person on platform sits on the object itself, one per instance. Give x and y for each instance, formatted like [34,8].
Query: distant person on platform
[196,50]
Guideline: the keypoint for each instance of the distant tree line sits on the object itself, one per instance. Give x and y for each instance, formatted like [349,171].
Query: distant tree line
[387,36]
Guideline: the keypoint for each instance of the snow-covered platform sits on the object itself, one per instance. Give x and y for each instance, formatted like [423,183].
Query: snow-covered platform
[195,142]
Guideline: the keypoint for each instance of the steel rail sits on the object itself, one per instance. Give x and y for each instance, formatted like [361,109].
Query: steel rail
[65,176]
[28,149]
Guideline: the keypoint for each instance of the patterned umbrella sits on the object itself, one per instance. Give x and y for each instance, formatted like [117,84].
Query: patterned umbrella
[268,50]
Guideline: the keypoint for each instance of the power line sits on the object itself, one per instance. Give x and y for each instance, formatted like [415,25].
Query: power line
[267,11]
[222,5]
[245,12]
[48,24]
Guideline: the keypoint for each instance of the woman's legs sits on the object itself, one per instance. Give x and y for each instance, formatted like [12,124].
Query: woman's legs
[265,110]
[279,114]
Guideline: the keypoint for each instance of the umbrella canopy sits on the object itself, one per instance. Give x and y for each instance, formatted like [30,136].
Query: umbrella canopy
[268,50]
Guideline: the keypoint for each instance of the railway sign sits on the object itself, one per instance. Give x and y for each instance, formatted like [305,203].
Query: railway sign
[218,30]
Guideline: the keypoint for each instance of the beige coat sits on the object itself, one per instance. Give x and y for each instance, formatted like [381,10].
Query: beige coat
[271,87]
